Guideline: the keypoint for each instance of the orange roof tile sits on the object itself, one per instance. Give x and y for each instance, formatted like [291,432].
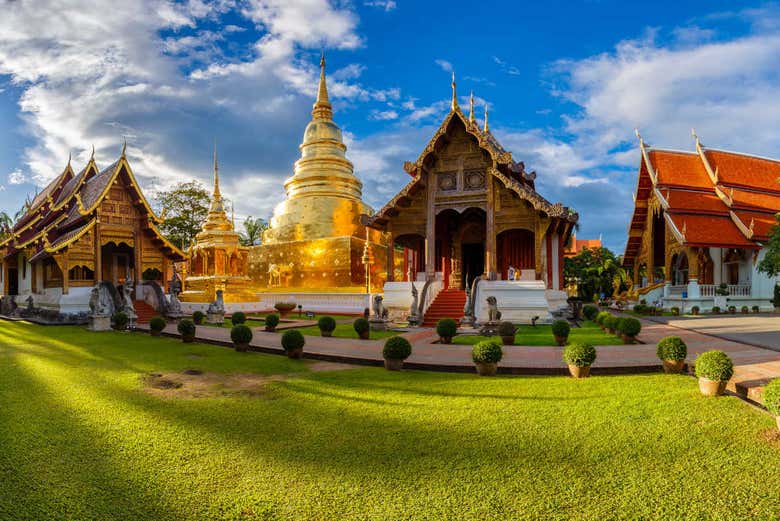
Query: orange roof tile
[679,169]
[710,230]
[743,170]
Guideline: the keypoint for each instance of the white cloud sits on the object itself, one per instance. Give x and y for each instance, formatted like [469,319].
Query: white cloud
[444,65]
[384,115]
[387,5]
[17,177]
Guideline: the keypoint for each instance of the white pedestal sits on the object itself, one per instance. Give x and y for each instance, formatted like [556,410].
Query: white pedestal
[518,301]
[99,324]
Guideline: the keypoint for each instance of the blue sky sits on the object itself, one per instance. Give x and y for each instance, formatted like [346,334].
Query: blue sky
[566,84]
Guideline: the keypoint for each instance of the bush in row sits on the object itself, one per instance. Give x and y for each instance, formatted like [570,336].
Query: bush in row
[561,330]
[507,331]
[396,350]
[446,328]
[271,321]
[486,355]
[629,328]
[579,356]
[293,342]
[239,317]
[772,398]
[197,317]
[590,312]
[715,310]
[672,352]
[695,310]
[714,369]
[241,335]
[327,326]
[601,317]
[156,325]
[120,320]
[675,311]
[186,329]
[362,328]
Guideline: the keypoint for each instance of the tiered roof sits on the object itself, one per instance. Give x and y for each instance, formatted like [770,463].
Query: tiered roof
[711,198]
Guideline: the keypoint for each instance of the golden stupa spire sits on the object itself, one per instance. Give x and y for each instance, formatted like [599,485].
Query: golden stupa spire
[454,104]
[487,127]
[322,108]
[217,194]
[471,107]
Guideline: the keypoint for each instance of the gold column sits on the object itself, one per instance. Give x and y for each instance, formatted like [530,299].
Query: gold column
[693,263]
[490,230]
[98,254]
[65,274]
[430,232]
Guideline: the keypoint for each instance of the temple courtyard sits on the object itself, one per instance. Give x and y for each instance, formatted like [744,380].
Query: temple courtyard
[123,425]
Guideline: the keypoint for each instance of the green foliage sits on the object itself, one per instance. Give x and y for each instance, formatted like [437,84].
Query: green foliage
[745,310]
[239,317]
[157,324]
[397,348]
[672,348]
[561,328]
[506,328]
[253,231]
[487,352]
[715,310]
[589,311]
[695,310]
[732,309]
[756,309]
[770,264]
[446,328]
[542,335]
[120,320]
[715,365]
[186,327]
[326,324]
[292,339]
[361,326]
[776,299]
[198,317]
[185,207]
[579,354]
[611,322]
[675,311]
[722,290]
[595,271]
[772,396]
[629,326]
[601,317]
[272,320]
[241,334]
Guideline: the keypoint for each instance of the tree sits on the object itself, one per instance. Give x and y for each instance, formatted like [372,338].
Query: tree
[596,271]
[770,264]
[253,231]
[185,207]
[6,223]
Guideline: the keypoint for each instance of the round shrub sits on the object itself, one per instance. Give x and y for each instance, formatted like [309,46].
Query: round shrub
[630,326]
[487,352]
[732,309]
[446,328]
[590,311]
[506,328]
[745,310]
[326,324]
[756,309]
[241,334]
[579,354]
[675,311]
[601,317]
[186,327]
[715,310]
[157,324]
[361,326]
[695,310]
[672,348]
[611,322]
[238,318]
[198,317]
[619,325]
[292,339]
[772,396]
[397,348]
[641,309]
[714,365]
[561,328]
[120,320]
[271,321]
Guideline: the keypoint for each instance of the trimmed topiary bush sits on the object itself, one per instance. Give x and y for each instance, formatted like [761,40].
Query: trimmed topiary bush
[197,317]
[561,330]
[714,365]
[487,352]
[156,325]
[446,328]
[241,335]
[507,330]
[695,310]
[772,397]
[238,318]
[590,312]
[640,309]
[675,311]
[579,354]
[745,310]
[733,310]
[120,321]
[756,309]
[397,348]
[601,317]
[611,323]
[293,342]
[271,321]
[186,329]
[629,327]
[672,348]
[327,325]
[716,310]
[362,328]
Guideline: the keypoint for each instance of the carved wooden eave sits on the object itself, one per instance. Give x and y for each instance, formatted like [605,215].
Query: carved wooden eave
[402,199]
[90,167]
[59,246]
[159,236]
[678,235]
[747,230]
[538,202]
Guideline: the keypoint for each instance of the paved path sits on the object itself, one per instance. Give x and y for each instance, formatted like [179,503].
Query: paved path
[759,330]
[754,365]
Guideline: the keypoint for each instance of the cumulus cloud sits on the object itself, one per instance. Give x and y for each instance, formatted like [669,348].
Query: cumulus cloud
[386,5]
[16,177]
[444,65]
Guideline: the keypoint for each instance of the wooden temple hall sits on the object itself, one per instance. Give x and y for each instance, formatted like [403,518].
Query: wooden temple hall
[94,225]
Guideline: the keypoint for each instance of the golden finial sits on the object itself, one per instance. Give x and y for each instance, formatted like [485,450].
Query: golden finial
[124,148]
[487,127]
[752,225]
[322,108]
[454,104]
[92,157]
[70,156]
[216,172]
[233,215]
[471,107]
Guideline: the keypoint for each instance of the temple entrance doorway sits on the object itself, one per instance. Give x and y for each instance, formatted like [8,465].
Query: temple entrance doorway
[13,281]
[117,261]
[473,262]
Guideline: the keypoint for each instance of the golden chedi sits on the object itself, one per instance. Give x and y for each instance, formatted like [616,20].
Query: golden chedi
[217,260]
[315,240]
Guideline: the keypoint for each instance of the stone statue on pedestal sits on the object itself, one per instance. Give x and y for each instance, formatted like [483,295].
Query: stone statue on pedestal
[378,320]
[414,315]
[215,314]
[101,306]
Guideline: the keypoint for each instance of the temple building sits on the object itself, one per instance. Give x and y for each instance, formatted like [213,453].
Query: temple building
[81,229]
[700,220]
[217,260]
[471,212]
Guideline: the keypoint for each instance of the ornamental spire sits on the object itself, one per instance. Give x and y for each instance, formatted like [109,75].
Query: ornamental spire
[454,104]
[471,107]
[217,194]
[487,127]
[124,148]
[322,108]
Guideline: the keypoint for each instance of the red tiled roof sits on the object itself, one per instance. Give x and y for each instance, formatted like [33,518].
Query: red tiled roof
[743,170]
[710,230]
[679,169]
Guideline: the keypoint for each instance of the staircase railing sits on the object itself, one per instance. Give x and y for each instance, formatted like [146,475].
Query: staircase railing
[430,291]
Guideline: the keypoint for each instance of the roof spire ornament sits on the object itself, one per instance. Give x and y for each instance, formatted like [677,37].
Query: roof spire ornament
[92,157]
[216,172]
[70,156]
[471,107]
[487,127]
[124,148]
[454,104]
[322,108]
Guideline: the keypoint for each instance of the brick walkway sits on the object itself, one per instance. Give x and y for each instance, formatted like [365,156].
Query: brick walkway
[754,365]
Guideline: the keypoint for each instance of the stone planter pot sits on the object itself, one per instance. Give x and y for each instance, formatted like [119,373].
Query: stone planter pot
[326,333]
[561,340]
[486,369]
[508,340]
[445,339]
[673,366]
[365,335]
[628,339]
[394,364]
[711,387]
[579,372]
[241,348]
[188,339]
[295,353]
[156,333]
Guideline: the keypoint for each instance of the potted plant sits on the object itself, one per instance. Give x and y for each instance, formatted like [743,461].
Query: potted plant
[716,310]
[629,329]
[675,311]
[362,328]
[560,330]
[446,328]
[486,356]
[396,350]
[600,318]
[756,309]
[284,308]
[579,356]
[733,310]
[238,318]
[611,323]
[672,352]
[590,312]
[327,326]
[695,310]
[745,310]
[292,343]
[156,325]
[120,321]
[241,335]
[713,369]
[271,321]
[186,329]
[197,317]
[776,299]
[772,399]
[507,330]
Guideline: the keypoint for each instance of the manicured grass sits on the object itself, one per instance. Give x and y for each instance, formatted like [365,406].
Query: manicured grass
[346,331]
[80,439]
[541,335]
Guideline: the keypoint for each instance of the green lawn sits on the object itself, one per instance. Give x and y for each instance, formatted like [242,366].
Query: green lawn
[542,336]
[345,331]
[80,439]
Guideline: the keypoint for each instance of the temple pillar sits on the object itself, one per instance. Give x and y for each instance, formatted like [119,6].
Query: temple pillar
[555,261]
[65,272]
[98,254]
[693,273]
[717,265]
[4,266]
[391,261]
[490,232]
[430,232]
